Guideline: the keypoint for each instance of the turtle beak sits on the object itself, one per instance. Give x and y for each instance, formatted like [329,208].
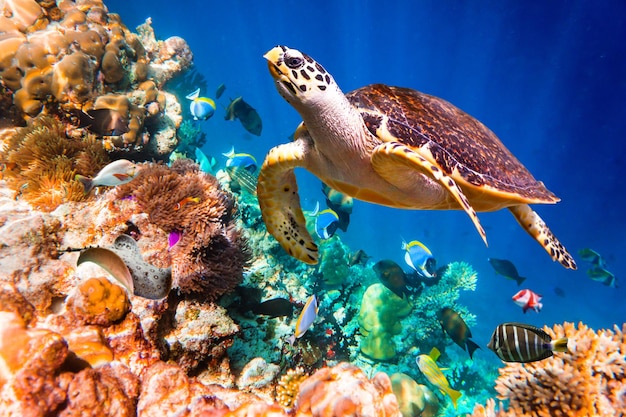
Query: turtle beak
[274,59]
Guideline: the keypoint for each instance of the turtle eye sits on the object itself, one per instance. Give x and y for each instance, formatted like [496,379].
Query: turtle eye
[294,62]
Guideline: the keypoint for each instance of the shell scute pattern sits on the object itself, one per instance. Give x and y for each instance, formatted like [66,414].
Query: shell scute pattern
[457,141]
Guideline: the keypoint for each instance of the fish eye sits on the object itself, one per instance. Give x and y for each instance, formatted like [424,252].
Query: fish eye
[294,62]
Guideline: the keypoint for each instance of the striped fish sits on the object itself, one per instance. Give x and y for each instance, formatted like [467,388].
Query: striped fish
[427,365]
[518,342]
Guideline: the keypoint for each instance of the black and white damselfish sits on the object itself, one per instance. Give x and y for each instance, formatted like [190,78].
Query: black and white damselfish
[518,342]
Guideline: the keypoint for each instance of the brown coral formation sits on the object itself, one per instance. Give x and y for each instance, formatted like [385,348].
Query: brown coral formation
[211,253]
[590,380]
[98,301]
[60,58]
[344,390]
[42,163]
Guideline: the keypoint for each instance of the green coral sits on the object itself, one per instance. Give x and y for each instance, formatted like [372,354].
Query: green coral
[333,266]
[379,319]
[190,136]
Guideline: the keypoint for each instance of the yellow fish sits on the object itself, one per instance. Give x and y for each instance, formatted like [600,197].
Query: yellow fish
[433,373]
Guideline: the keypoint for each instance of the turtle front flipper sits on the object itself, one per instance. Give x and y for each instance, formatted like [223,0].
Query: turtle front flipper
[537,228]
[279,201]
[387,157]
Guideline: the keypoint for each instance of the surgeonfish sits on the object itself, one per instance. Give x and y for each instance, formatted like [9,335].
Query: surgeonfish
[419,258]
[427,365]
[391,276]
[358,258]
[104,122]
[326,222]
[452,323]
[219,91]
[240,160]
[201,108]
[116,173]
[528,300]
[518,342]
[247,115]
[506,269]
[340,203]
[591,256]
[206,164]
[274,307]
[307,316]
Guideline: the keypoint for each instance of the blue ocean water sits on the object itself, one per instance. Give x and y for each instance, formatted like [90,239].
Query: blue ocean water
[549,78]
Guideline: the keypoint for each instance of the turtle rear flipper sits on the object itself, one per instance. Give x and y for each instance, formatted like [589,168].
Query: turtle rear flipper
[537,228]
[387,157]
[277,192]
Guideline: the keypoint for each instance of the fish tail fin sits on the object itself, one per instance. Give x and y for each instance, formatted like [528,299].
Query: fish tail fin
[471,347]
[454,395]
[316,210]
[87,182]
[194,95]
[519,280]
[525,309]
[230,153]
[560,345]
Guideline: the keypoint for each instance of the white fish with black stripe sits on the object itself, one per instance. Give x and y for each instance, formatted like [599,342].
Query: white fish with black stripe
[518,342]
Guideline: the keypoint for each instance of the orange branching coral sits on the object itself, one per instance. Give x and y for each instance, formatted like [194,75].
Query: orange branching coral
[288,386]
[41,163]
[211,253]
[590,380]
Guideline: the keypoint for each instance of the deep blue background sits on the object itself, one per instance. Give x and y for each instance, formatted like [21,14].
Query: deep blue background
[548,77]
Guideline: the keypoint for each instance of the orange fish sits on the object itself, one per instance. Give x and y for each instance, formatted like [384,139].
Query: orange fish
[186,200]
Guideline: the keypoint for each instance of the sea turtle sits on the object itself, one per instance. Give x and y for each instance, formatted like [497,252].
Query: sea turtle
[391,146]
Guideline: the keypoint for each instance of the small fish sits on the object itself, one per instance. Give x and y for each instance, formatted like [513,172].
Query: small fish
[506,269]
[201,108]
[173,238]
[247,115]
[592,257]
[518,342]
[452,323]
[340,203]
[185,201]
[104,122]
[527,300]
[240,160]
[559,291]
[603,276]
[391,276]
[358,258]
[419,258]
[275,307]
[243,178]
[326,222]
[116,173]
[206,164]
[427,365]
[307,316]
[220,90]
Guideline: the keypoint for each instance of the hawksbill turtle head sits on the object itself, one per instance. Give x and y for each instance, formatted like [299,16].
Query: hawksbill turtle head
[299,78]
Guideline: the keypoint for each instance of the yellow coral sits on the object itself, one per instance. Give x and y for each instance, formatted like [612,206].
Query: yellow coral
[99,301]
[288,386]
[590,380]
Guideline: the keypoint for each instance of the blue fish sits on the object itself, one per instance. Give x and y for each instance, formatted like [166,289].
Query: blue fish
[307,316]
[326,222]
[207,164]
[419,258]
[240,160]
[201,108]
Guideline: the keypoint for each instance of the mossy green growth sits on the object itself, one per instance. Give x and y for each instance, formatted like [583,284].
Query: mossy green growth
[333,266]
[379,320]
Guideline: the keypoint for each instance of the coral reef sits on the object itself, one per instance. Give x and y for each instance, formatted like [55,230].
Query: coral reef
[98,301]
[333,265]
[42,163]
[289,385]
[379,318]
[211,253]
[67,58]
[590,380]
[345,390]
[414,399]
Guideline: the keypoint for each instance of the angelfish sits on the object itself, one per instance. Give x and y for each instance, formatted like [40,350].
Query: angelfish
[116,173]
[307,316]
